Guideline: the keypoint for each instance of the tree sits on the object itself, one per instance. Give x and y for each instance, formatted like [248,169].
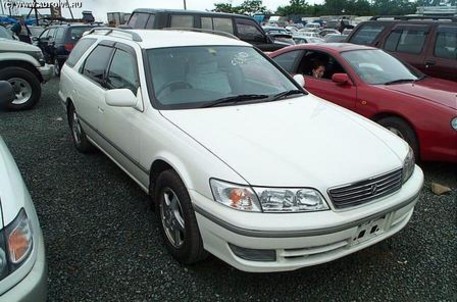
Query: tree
[249,7]
[225,8]
[295,7]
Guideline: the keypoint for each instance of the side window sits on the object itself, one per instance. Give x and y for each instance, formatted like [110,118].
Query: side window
[60,34]
[221,24]
[410,40]
[446,42]
[392,41]
[150,24]
[207,22]
[320,65]
[77,52]
[182,21]
[367,34]
[248,31]
[51,33]
[44,35]
[96,63]
[139,20]
[123,72]
[288,60]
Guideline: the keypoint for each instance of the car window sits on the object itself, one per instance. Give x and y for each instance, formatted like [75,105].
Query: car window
[59,34]
[51,33]
[44,34]
[408,40]
[139,20]
[317,60]
[96,63]
[77,32]
[287,60]
[123,72]
[446,42]
[222,24]
[150,24]
[4,33]
[248,31]
[367,34]
[190,77]
[77,52]
[182,21]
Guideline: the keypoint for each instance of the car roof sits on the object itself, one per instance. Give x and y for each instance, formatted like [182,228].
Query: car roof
[173,38]
[186,12]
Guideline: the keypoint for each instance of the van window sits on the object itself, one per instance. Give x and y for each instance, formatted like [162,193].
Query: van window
[139,20]
[182,21]
[248,31]
[446,42]
[221,24]
[367,34]
[150,24]
[408,40]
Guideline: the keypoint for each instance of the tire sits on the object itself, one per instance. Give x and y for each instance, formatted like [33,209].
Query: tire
[26,86]
[177,220]
[402,129]
[78,135]
[57,68]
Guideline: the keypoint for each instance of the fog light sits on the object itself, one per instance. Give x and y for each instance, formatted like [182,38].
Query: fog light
[253,254]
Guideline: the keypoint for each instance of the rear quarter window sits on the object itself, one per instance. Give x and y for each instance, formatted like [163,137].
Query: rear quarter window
[77,52]
[182,21]
[367,34]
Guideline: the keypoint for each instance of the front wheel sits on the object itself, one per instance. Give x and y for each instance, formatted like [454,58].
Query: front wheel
[403,130]
[26,87]
[178,223]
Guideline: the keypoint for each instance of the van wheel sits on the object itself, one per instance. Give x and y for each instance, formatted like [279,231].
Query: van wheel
[78,135]
[178,224]
[26,87]
[403,130]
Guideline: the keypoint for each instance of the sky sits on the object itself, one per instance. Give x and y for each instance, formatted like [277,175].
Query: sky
[99,8]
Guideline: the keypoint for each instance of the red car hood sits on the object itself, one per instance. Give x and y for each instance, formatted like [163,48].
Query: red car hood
[434,90]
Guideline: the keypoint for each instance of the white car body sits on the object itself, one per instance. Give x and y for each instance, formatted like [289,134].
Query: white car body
[29,281]
[295,143]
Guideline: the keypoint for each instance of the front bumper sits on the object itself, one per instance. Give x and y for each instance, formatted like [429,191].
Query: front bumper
[47,72]
[34,286]
[301,239]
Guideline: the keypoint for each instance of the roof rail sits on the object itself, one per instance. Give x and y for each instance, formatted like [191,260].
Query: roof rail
[416,17]
[109,30]
[204,30]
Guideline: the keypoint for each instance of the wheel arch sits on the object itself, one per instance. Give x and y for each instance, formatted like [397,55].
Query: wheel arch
[22,64]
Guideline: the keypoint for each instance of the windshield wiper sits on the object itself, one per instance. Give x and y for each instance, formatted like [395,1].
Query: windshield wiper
[235,99]
[284,94]
[400,81]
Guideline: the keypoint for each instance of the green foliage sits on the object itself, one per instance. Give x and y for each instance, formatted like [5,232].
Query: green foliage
[248,7]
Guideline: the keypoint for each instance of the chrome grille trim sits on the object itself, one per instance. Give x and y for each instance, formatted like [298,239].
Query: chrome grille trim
[366,190]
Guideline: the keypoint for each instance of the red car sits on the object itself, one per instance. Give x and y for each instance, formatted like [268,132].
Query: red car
[420,109]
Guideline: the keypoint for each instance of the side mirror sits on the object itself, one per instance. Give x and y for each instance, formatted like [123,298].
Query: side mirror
[300,79]
[120,98]
[6,94]
[341,79]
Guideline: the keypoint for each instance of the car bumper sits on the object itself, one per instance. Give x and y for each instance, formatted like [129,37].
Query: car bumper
[47,72]
[259,242]
[34,286]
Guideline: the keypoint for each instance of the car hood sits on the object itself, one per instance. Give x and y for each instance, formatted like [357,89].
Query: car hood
[433,90]
[303,141]
[16,46]
[12,188]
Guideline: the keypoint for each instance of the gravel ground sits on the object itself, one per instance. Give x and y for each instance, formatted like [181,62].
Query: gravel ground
[103,241]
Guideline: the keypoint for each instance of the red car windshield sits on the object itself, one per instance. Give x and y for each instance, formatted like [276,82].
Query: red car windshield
[377,67]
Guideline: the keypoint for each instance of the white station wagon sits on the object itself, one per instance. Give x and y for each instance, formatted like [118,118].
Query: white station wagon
[239,160]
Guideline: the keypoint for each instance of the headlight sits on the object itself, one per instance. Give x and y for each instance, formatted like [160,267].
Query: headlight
[290,200]
[408,165]
[454,123]
[17,245]
[269,200]
[235,196]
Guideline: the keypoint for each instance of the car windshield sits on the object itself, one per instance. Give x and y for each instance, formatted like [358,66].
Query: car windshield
[195,77]
[4,33]
[377,67]
[77,32]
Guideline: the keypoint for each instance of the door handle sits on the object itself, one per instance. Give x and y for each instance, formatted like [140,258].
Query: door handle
[101,109]
[429,63]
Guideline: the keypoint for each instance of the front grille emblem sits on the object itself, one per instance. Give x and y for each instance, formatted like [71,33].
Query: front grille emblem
[374,189]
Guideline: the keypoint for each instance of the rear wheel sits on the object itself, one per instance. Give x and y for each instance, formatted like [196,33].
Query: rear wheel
[26,87]
[178,223]
[403,130]
[78,135]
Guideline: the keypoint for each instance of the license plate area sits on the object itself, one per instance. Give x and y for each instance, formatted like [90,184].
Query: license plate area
[369,230]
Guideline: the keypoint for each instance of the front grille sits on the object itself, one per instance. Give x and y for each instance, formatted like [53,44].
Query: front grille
[366,190]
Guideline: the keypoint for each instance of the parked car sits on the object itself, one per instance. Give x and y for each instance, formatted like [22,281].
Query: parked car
[279,34]
[429,45]
[183,113]
[23,65]
[58,41]
[306,39]
[23,269]
[327,31]
[334,38]
[420,109]
[243,27]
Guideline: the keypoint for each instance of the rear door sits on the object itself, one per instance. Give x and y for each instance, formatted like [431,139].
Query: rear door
[408,42]
[441,54]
